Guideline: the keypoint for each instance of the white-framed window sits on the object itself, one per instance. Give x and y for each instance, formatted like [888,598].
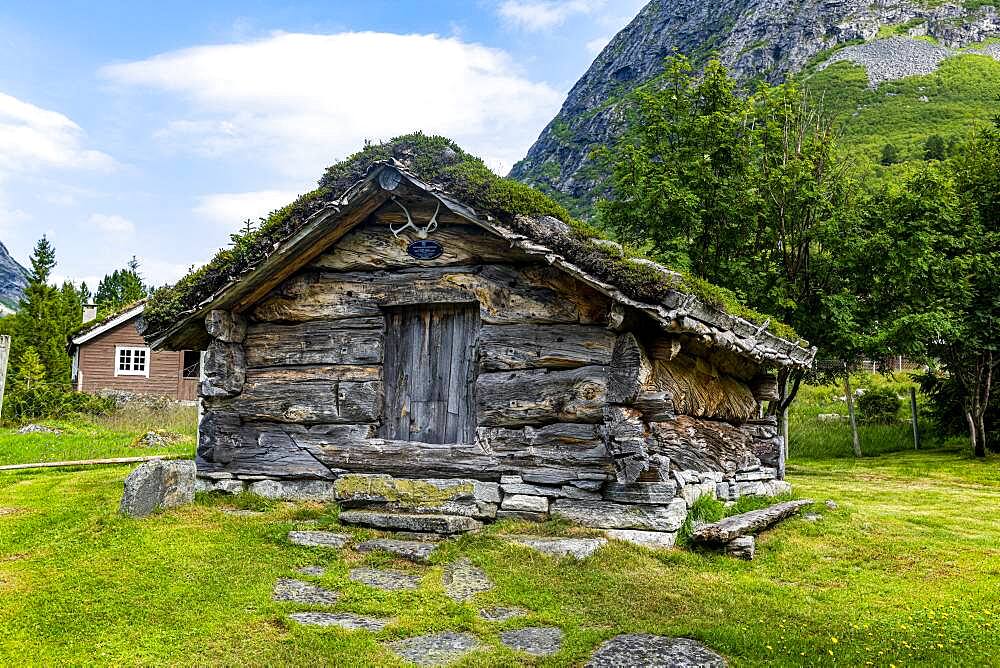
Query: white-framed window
[131,361]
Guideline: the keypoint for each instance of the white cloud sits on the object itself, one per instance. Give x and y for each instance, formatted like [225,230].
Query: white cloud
[231,209]
[538,15]
[112,224]
[302,101]
[158,272]
[33,137]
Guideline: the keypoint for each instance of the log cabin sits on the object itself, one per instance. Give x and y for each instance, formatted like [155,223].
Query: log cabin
[432,359]
[110,356]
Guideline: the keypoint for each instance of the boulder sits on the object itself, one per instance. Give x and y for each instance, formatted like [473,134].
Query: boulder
[158,484]
[38,429]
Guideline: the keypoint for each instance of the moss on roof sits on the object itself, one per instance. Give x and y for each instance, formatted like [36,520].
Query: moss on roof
[441,162]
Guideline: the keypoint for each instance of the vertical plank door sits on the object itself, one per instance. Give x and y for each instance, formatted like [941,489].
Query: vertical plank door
[430,366]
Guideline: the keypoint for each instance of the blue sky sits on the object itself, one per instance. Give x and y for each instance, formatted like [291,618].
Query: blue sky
[154,129]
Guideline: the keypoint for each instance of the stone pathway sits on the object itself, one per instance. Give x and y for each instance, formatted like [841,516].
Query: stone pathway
[312,571]
[297,591]
[626,651]
[344,620]
[578,548]
[319,539]
[463,580]
[501,614]
[414,550]
[385,580]
[436,649]
[538,641]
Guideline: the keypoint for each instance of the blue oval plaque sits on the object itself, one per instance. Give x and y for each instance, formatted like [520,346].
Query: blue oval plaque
[425,249]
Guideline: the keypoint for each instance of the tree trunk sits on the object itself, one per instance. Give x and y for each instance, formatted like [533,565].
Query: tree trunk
[981,435]
[977,445]
[855,440]
[783,461]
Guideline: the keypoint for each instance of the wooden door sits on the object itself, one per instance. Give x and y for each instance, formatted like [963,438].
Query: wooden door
[430,373]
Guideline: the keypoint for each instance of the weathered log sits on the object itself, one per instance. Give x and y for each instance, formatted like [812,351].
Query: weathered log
[373,246]
[747,524]
[292,375]
[626,443]
[541,396]
[521,346]
[764,387]
[555,454]
[655,406]
[506,294]
[629,371]
[218,435]
[266,451]
[699,390]
[226,326]
[309,400]
[224,370]
[351,341]
[702,445]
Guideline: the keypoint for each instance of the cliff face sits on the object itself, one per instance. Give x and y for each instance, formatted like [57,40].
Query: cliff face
[769,39]
[13,280]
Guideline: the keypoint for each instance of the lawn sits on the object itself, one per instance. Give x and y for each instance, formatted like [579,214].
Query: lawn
[101,437]
[906,571]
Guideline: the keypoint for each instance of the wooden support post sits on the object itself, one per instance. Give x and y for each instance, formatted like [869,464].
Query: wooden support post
[4,360]
[913,418]
[849,393]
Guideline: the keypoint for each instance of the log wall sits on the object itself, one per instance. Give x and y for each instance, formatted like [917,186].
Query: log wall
[568,400]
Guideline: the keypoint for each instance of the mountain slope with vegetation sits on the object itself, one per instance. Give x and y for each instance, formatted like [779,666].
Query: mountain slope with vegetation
[13,281]
[944,52]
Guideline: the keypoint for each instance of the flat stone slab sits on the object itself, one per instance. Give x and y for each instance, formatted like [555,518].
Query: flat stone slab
[463,580]
[654,540]
[319,539]
[501,614]
[578,548]
[747,524]
[238,512]
[436,649]
[648,651]
[385,580]
[440,524]
[312,571]
[414,550]
[344,620]
[537,641]
[297,591]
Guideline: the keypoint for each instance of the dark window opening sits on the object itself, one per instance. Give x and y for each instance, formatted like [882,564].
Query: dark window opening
[192,364]
[430,373]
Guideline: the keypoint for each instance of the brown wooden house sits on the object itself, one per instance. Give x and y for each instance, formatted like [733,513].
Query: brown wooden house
[111,356]
[439,366]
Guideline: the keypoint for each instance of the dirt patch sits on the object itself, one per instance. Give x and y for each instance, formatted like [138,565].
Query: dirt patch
[4,512]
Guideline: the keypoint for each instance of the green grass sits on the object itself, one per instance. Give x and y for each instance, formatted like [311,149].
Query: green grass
[905,572]
[812,438]
[964,93]
[101,437]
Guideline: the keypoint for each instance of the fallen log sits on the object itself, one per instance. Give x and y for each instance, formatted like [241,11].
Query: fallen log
[88,462]
[747,524]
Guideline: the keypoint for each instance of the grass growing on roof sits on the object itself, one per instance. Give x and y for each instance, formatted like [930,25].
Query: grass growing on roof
[439,161]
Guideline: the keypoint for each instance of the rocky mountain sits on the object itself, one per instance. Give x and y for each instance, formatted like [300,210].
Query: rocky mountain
[13,280]
[859,44]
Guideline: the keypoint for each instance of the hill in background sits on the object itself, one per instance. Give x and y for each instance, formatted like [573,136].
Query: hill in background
[889,72]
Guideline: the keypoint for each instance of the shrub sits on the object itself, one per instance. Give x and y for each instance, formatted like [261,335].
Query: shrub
[879,405]
[45,401]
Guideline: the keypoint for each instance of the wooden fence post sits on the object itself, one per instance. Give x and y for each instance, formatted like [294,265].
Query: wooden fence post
[913,418]
[4,359]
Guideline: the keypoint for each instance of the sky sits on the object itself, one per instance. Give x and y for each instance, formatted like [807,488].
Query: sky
[156,129]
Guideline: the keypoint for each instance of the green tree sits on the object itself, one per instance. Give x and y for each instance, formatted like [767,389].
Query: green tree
[30,373]
[890,155]
[935,148]
[745,191]
[120,289]
[40,321]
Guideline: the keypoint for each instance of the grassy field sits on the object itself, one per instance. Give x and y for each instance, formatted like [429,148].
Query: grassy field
[102,437]
[906,571]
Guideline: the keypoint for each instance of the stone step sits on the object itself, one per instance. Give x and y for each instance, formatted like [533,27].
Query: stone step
[537,641]
[462,580]
[647,650]
[439,524]
[385,580]
[319,539]
[295,591]
[501,614]
[344,620]
[435,649]
[415,550]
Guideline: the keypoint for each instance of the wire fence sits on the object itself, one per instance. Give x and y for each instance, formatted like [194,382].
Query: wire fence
[896,364]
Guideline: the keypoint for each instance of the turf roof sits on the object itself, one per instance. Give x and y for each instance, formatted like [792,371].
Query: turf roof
[441,162]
